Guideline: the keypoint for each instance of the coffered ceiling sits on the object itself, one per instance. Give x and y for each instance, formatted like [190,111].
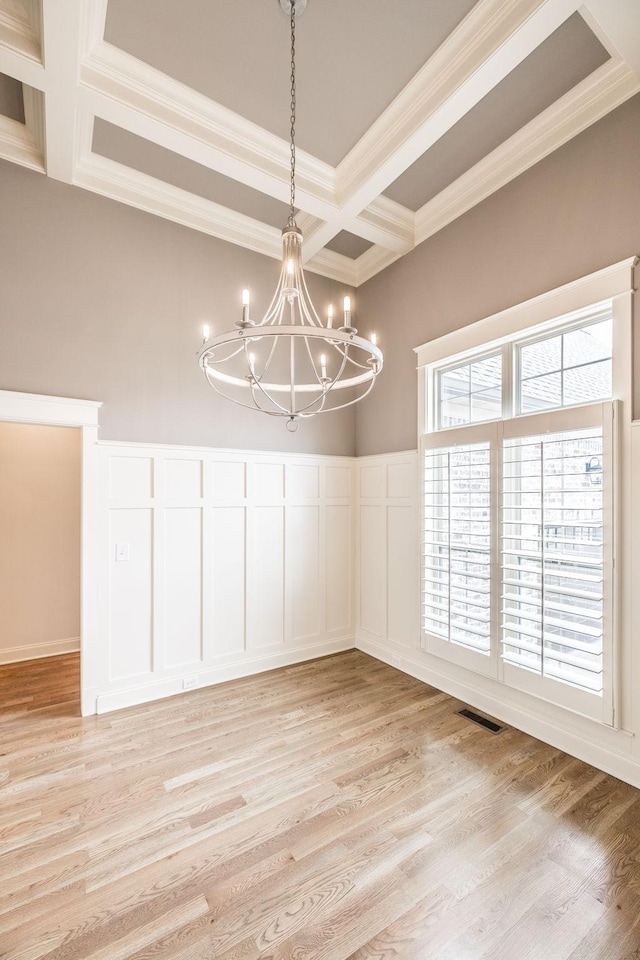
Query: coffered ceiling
[409,113]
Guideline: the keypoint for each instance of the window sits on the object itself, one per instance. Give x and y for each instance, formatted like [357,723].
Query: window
[566,369]
[518,521]
[472,392]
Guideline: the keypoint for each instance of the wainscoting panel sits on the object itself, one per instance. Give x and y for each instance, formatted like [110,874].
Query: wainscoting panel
[226,582]
[373,550]
[182,587]
[303,574]
[220,564]
[130,593]
[265,591]
[403,573]
[339,568]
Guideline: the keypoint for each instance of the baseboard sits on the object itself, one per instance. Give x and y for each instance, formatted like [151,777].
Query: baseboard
[35,651]
[618,765]
[210,676]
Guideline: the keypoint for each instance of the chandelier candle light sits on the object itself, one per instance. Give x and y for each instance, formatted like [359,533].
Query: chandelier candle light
[291,364]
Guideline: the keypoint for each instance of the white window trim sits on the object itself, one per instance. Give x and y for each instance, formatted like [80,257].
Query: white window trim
[558,308]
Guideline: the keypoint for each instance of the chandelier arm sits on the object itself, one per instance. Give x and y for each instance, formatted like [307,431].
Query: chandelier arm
[235,353]
[343,349]
[320,401]
[338,376]
[269,360]
[312,361]
[276,302]
[350,403]
[225,396]
[258,405]
[268,396]
[308,300]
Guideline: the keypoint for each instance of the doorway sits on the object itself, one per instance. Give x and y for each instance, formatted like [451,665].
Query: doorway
[38,411]
[40,513]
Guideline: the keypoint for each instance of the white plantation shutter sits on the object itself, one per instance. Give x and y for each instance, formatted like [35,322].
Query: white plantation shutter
[552,523]
[517,553]
[557,555]
[457,545]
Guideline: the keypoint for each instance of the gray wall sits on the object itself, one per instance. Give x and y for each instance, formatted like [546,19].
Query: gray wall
[100,301]
[575,212]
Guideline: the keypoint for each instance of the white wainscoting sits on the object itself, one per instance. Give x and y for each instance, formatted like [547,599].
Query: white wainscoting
[388,619]
[219,564]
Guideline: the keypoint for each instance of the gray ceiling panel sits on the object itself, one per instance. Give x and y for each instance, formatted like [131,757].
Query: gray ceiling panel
[237,53]
[11,101]
[563,60]
[133,151]
[349,245]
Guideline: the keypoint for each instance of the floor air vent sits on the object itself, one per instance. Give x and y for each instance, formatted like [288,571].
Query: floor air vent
[481,721]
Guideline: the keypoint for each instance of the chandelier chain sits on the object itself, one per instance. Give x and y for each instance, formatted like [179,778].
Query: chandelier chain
[291,363]
[293,112]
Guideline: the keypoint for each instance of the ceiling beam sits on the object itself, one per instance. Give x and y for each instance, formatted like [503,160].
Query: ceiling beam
[62,49]
[491,41]
[605,89]
[119,182]
[619,20]
[141,99]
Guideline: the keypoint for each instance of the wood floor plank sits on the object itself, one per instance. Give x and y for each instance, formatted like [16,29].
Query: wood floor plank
[330,810]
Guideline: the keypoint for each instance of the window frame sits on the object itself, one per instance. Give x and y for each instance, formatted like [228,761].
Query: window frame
[571,306]
[447,368]
[518,343]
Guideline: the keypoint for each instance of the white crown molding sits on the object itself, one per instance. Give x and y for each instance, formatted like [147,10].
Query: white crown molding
[334,265]
[15,64]
[18,145]
[127,92]
[20,29]
[387,223]
[119,182]
[604,90]
[373,261]
[618,24]
[94,18]
[383,222]
[490,42]
[33,101]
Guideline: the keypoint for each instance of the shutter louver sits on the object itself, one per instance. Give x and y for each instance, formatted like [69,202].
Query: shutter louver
[552,556]
[456,546]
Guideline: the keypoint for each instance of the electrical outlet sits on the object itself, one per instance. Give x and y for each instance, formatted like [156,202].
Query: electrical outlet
[190,683]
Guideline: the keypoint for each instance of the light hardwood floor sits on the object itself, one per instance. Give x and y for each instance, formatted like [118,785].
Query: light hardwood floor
[331,810]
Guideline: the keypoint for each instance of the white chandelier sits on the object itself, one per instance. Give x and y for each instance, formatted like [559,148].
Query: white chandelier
[291,364]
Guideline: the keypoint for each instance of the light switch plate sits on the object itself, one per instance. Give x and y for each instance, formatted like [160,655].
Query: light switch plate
[122,552]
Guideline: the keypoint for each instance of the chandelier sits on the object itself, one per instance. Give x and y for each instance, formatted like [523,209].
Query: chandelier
[291,363]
